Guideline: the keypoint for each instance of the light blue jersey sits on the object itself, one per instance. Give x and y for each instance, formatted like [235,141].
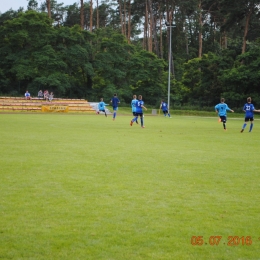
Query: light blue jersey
[222,109]
[102,105]
[133,104]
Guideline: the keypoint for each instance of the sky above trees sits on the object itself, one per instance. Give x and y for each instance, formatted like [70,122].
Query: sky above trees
[15,4]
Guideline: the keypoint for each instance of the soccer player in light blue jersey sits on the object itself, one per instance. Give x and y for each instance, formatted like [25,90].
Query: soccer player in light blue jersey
[164,107]
[102,107]
[115,101]
[139,111]
[133,104]
[249,116]
[222,109]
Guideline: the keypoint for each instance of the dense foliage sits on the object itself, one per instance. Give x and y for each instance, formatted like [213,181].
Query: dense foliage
[96,49]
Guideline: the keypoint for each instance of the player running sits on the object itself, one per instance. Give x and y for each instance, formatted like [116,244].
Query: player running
[133,104]
[102,107]
[164,107]
[139,111]
[249,116]
[221,109]
[115,101]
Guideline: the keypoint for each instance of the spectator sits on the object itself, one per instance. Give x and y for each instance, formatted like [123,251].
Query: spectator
[51,96]
[27,95]
[46,95]
[40,94]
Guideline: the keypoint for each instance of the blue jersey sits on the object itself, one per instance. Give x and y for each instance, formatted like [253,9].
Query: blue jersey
[133,104]
[164,106]
[222,109]
[102,105]
[139,104]
[249,108]
[115,101]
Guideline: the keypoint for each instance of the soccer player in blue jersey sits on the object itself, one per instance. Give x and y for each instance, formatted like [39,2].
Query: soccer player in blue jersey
[221,109]
[133,104]
[115,101]
[249,116]
[139,111]
[102,107]
[164,107]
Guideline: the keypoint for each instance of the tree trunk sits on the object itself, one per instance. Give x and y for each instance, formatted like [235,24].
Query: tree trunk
[200,30]
[161,45]
[145,41]
[97,16]
[225,40]
[121,17]
[91,16]
[246,29]
[186,42]
[48,2]
[129,21]
[125,17]
[153,28]
[82,14]
[150,34]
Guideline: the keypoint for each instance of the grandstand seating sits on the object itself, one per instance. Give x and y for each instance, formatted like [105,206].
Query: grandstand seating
[35,104]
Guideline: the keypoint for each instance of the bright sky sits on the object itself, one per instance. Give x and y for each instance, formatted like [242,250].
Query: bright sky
[5,5]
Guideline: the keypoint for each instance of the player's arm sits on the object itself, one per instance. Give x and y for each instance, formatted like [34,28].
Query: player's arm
[144,107]
[257,110]
[230,110]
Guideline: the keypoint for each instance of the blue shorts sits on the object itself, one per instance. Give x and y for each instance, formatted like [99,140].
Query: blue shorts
[115,108]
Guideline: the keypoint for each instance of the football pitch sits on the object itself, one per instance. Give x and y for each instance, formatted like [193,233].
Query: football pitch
[88,187]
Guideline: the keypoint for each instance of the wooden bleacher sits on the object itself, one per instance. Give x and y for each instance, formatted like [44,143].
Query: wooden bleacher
[19,104]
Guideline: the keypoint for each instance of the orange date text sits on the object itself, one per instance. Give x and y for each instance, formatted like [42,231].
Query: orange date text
[218,240]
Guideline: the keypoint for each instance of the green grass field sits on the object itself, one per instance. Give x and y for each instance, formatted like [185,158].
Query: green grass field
[87,187]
